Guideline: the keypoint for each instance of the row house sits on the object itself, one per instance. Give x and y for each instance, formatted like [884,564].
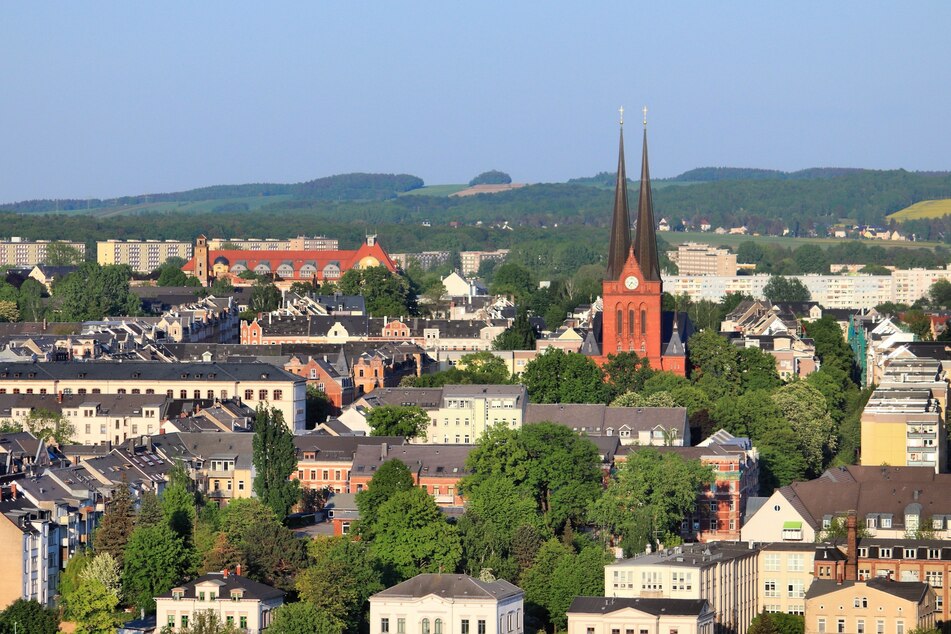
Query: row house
[254,383]
[209,319]
[654,426]
[221,464]
[326,462]
[890,502]
[437,469]
[429,334]
[298,304]
[21,452]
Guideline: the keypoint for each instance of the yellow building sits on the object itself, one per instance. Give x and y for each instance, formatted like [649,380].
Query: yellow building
[144,256]
[879,606]
[785,574]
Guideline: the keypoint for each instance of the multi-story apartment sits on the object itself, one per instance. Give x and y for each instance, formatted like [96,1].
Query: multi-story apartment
[445,603]
[144,256]
[19,252]
[73,500]
[237,601]
[722,573]
[472,260]
[879,605]
[254,383]
[29,553]
[300,243]
[785,572]
[326,462]
[220,463]
[610,615]
[702,259]
[656,426]
[424,259]
[903,421]
[888,501]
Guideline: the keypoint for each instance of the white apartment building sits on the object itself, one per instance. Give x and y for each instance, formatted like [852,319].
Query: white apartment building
[693,258]
[144,256]
[448,604]
[19,252]
[29,553]
[831,291]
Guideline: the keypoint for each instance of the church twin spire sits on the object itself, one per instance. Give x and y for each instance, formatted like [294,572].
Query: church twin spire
[645,239]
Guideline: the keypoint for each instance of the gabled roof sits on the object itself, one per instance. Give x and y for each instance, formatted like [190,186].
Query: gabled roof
[656,607]
[907,590]
[252,589]
[451,586]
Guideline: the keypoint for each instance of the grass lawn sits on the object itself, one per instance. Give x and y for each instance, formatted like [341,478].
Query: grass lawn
[923,209]
[435,190]
[674,238]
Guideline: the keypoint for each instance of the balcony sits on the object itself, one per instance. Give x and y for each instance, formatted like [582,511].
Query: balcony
[220,494]
[220,473]
[444,498]
[921,434]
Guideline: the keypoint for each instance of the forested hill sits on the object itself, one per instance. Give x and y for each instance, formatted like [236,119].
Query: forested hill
[351,187]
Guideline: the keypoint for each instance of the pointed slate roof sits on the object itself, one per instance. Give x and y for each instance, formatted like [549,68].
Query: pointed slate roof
[645,238]
[621,225]
[675,347]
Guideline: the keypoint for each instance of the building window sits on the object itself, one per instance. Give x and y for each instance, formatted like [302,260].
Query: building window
[884,553]
[886,522]
[249,395]
[630,322]
[384,625]
[860,626]
[620,322]
[400,626]
[243,622]
[481,627]
[795,563]
[900,627]
[278,395]
[795,589]
[643,322]
[934,578]
[425,628]
[262,395]
[880,627]
[821,625]
[840,626]
[437,626]
[769,588]
[772,562]
[184,620]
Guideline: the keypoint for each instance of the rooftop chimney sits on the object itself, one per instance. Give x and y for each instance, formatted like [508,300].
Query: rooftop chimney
[237,570]
[225,573]
[852,561]
[383,450]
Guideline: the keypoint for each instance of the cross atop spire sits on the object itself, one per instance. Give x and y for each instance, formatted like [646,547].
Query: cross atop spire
[645,117]
[621,110]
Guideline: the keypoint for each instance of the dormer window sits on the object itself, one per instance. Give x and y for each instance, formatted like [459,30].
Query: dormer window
[236,595]
[178,594]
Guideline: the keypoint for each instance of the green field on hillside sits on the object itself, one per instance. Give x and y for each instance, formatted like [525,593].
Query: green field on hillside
[674,238]
[435,190]
[923,209]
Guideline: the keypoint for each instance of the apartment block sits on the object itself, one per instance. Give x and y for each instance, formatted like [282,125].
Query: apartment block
[144,256]
[702,259]
[722,573]
[880,605]
[903,421]
[785,574]
[472,260]
[424,259]
[29,553]
[19,252]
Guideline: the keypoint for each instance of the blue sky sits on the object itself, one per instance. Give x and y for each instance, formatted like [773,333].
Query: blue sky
[105,99]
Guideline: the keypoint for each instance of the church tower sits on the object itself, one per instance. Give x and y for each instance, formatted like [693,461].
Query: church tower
[632,288]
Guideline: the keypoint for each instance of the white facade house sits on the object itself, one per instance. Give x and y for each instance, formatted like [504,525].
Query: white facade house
[448,604]
[236,600]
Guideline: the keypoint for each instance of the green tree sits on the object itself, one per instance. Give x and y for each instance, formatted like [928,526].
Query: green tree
[30,300]
[274,554]
[556,467]
[777,623]
[492,177]
[150,510]
[514,280]
[204,622]
[831,346]
[808,414]
[484,368]
[9,311]
[520,335]
[155,560]
[319,407]
[385,293]
[626,372]
[178,503]
[104,569]
[637,399]
[757,370]
[49,426]
[274,459]
[265,297]
[556,376]
[93,291]
[412,536]
[940,294]
[652,491]
[303,618]
[241,514]
[340,580]
[116,525]
[785,289]
[558,575]
[61,254]
[398,420]
[28,616]
[93,608]
[715,364]
[222,555]
[918,323]
[171,274]
[391,478]
[71,579]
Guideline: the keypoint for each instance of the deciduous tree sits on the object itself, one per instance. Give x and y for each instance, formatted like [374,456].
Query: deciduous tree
[564,377]
[274,459]
[274,554]
[340,580]
[398,420]
[155,560]
[93,608]
[303,618]
[391,478]
[28,617]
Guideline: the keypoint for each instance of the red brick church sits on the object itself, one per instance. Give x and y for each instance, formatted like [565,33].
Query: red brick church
[632,319]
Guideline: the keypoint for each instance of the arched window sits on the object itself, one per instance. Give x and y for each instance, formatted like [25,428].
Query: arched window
[643,321]
[630,322]
[425,626]
[438,628]
[620,322]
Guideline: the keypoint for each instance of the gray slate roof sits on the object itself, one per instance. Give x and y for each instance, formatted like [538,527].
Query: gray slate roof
[451,586]
[608,605]
[907,590]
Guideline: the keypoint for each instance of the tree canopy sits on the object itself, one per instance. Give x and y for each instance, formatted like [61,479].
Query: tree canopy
[275,459]
[410,421]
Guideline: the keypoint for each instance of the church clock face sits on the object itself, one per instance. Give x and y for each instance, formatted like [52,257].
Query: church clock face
[631,282]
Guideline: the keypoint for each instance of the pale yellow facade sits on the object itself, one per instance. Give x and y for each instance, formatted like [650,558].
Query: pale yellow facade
[466,412]
[18,252]
[857,607]
[248,615]
[633,621]
[883,440]
[144,256]
[300,243]
[785,574]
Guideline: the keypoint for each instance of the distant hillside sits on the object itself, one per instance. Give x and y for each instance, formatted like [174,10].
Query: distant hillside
[350,187]
[711,174]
